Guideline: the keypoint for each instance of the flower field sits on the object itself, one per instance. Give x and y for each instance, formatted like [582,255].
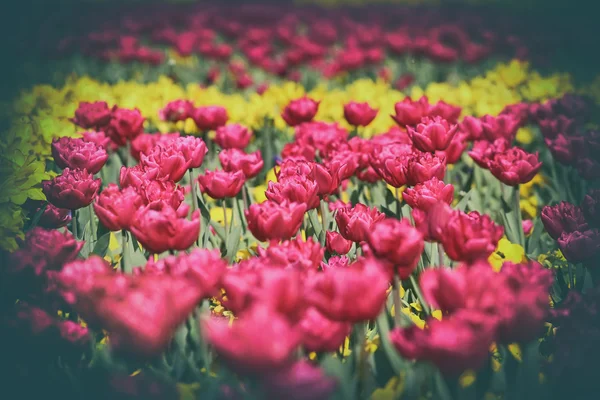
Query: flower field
[300,201]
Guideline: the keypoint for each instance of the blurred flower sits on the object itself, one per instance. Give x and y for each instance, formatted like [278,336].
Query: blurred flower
[300,381]
[233,136]
[125,125]
[260,341]
[299,111]
[563,217]
[359,114]
[353,294]
[210,117]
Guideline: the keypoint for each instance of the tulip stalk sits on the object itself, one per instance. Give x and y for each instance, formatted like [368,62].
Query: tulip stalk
[125,267]
[415,287]
[224,217]
[518,218]
[194,190]
[74,224]
[396,298]
[92,237]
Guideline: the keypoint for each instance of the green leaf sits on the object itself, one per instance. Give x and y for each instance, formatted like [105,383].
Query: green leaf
[533,242]
[462,204]
[36,218]
[388,212]
[101,246]
[313,216]
[334,367]
[233,239]
[383,327]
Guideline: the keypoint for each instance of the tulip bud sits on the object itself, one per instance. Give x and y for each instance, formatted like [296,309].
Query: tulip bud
[336,243]
[210,117]
[92,115]
[125,125]
[470,237]
[233,136]
[580,246]
[299,111]
[359,114]
[177,110]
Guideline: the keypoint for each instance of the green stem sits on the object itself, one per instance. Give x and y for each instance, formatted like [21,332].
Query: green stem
[323,223]
[440,249]
[245,196]
[224,217]
[518,217]
[92,238]
[398,208]
[74,224]
[417,290]
[396,298]
[125,264]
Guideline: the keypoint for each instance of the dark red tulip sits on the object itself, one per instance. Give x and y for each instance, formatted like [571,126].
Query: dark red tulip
[210,117]
[359,114]
[74,189]
[299,111]
[563,217]
[78,154]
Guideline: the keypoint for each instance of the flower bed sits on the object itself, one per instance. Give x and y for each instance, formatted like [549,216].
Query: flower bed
[294,203]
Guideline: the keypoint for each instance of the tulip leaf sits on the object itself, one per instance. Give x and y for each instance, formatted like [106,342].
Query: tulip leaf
[533,242]
[36,218]
[314,221]
[233,241]
[462,204]
[334,367]
[398,365]
[101,246]
[135,243]
[388,212]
